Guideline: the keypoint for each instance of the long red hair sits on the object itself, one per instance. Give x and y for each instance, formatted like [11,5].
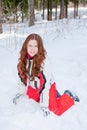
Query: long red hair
[37,60]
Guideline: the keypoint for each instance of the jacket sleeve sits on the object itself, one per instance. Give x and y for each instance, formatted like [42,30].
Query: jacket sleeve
[47,70]
[20,92]
[21,87]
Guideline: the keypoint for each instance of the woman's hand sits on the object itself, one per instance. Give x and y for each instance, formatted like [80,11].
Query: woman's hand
[46,111]
[17,96]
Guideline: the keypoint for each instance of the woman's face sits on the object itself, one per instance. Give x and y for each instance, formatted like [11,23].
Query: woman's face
[32,48]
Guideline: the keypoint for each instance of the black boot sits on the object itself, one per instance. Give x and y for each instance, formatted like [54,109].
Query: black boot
[75,97]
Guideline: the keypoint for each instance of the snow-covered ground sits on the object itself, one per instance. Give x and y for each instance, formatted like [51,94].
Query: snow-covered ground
[66,44]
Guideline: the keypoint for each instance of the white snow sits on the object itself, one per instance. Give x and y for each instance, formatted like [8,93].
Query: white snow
[66,45]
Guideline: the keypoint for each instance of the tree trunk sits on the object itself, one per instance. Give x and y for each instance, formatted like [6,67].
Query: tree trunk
[50,18]
[75,10]
[0,18]
[61,9]
[43,8]
[56,10]
[49,10]
[66,9]
[31,15]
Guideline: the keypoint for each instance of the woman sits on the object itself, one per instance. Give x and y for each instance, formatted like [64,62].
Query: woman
[35,77]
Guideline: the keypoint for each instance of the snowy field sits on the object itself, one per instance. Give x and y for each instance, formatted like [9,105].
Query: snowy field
[66,45]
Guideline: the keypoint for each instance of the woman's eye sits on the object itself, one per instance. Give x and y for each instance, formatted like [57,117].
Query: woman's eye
[36,46]
[33,46]
[30,46]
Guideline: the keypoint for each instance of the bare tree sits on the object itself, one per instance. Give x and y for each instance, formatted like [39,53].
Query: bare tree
[66,9]
[56,10]
[0,18]
[49,10]
[62,9]
[76,8]
[43,7]
[31,15]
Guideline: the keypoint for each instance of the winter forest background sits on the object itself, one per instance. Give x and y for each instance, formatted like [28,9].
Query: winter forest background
[63,28]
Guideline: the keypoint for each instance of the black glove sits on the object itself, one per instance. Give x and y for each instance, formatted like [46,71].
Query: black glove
[46,111]
[16,98]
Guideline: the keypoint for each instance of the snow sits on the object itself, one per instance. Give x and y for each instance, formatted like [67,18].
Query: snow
[65,42]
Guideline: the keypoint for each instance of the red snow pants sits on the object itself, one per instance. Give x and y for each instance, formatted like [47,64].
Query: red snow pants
[61,104]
